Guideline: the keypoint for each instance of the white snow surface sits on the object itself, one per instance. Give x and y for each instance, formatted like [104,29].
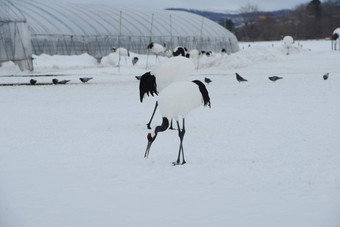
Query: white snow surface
[266,153]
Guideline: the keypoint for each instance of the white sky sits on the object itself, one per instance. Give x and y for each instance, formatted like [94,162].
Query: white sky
[265,5]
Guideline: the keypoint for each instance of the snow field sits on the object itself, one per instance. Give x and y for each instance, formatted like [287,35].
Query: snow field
[265,154]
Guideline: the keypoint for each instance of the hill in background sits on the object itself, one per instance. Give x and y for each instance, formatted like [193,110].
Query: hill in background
[234,16]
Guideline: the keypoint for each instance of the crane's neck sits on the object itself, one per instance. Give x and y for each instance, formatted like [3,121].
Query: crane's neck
[164,126]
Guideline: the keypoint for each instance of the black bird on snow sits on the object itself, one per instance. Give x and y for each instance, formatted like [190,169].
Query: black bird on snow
[207,80]
[240,78]
[55,81]
[85,79]
[325,77]
[33,81]
[134,60]
[274,78]
[63,81]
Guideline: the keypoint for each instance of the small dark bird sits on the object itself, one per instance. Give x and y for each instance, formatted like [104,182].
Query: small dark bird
[274,78]
[33,81]
[85,79]
[240,78]
[63,81]
[134,60]
[55,81]
[325,77]
[207,80]
[223,51]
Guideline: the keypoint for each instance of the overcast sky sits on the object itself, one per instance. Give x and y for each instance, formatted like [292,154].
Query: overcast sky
[263,5]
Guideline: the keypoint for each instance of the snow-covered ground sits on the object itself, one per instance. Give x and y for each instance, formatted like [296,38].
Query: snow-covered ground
[266,154]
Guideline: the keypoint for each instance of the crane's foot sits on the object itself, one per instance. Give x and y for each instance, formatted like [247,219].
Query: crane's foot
[148,125]
[178,163]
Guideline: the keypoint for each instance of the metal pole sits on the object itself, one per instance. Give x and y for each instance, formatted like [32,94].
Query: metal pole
[200,44]
[171,44]
[120,33]
[147,58]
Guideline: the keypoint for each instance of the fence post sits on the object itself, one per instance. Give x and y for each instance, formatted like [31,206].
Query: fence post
[120,34]
[147,57]
[200,44]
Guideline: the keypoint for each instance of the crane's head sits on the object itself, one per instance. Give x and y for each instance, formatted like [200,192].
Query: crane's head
[150,141]
[152,136]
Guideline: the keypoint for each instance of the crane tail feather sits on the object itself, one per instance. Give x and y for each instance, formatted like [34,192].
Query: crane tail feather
[204,92]
[147,85]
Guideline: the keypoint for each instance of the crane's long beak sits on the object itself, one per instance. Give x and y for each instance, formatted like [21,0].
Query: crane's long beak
[150,140]
[147,150]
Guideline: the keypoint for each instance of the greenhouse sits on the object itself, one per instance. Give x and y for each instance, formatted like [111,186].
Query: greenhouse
[70,29]
[15,40]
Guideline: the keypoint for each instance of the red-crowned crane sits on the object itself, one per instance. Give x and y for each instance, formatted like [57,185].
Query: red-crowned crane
[288,42]
[180,51]
[335,38]
[174,69]
[121,52]
[175,102]
[157,49]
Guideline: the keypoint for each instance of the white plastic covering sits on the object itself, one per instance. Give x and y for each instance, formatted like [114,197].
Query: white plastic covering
[65,28]
[15,39]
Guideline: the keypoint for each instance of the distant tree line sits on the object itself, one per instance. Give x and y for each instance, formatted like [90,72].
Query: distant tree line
[313,20]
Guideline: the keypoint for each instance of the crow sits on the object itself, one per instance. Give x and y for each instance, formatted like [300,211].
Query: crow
[207,80]
[63,81]
[274,78]
[85,79]
[33,81]
[240,78]
[134,60]
[325,77]
[55,81]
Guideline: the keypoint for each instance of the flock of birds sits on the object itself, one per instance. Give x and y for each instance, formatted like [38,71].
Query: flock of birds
[272,78]
[161,50]
[56,81]
[177,96]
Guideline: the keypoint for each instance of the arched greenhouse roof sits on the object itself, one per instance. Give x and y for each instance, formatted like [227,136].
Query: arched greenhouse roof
[9,13]
[68,28]
[51,17]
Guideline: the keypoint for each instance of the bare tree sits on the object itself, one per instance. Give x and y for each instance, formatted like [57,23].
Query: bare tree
[249,13]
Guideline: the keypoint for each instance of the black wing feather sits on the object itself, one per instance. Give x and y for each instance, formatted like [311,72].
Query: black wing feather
[147,85]
[204,92]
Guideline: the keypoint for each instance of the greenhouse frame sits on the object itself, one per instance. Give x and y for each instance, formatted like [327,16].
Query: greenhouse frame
[15,40]
[57,28]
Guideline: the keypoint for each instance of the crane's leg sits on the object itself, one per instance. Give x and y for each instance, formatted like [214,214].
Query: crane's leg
[154,110]
[171,126]
[181,136]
